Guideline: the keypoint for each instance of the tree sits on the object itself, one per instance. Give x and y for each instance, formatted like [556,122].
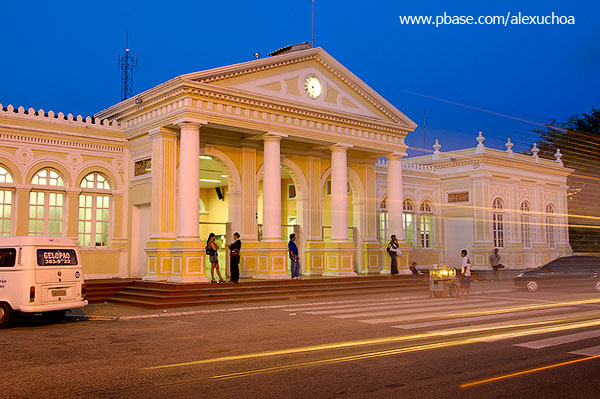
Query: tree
[579,141]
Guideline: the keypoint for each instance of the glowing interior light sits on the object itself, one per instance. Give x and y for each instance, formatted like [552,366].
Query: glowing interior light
[205,157]
[211,180]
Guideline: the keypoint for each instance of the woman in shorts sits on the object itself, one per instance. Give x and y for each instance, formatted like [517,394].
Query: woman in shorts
[214,258]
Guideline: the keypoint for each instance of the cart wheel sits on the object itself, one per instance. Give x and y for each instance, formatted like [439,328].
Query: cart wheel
[453,290]
[437,294]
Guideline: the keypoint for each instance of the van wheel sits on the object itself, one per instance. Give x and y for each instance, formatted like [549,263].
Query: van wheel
[532,285]
[6,314]
[55,315]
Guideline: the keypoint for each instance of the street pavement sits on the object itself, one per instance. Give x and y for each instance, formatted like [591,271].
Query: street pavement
[498,343]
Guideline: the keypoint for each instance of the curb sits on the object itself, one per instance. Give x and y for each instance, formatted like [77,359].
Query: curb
[165,314]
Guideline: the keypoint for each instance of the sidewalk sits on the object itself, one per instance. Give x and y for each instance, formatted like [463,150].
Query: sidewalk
[113,311]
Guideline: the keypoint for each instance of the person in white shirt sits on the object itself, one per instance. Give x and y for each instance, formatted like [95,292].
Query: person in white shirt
[465,279]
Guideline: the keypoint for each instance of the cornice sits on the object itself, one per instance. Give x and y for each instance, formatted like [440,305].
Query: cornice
[208,104]
[19,139]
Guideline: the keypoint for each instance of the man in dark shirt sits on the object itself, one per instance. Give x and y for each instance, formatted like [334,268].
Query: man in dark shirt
[234,262]
[293,250]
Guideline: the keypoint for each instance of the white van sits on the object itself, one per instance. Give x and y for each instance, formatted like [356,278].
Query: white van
[39,275]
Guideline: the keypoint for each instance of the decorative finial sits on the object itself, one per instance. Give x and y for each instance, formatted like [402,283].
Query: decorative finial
[534,152]
[436,153]
[509,146]
[480,147]
[558,155]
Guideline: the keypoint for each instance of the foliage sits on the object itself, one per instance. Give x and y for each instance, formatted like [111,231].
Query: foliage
[579,141]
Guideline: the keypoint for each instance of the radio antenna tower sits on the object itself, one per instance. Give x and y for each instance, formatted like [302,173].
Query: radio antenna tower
[312,43]
[126,63]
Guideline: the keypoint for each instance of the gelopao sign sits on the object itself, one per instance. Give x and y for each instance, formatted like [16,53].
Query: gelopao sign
[47,257]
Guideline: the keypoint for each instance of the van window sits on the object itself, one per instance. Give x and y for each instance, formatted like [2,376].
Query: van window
[52,257]
[7,257]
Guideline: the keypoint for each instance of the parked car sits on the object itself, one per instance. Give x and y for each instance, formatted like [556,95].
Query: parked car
[39,275]
[566,272]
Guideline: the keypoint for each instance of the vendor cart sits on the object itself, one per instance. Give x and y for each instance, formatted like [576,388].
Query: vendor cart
[442,280]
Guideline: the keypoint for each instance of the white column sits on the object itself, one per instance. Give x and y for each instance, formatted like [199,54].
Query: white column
[394,196]
[189,182]
[339,192]
[272,187]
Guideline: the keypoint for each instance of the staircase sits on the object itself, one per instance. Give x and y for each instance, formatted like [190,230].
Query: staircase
[169,295]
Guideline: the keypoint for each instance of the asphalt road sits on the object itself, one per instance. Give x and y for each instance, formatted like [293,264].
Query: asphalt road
[376,348]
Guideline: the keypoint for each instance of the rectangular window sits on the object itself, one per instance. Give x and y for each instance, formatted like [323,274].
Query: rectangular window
[291,191]
[36,213]
[525,231]
[45,213]
[383,223]
[142,167]
[408,222]
[5,212]
[550,237]
[102,213]
[425,231]
[55,207]
[498,230]
[93,220]
[458,197]
[7,257]
[50,257]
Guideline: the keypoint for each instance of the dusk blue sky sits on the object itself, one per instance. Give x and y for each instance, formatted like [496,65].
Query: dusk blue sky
[505,81]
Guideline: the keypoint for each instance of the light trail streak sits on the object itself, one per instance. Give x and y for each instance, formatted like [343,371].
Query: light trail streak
[385,340]
[382,353]
[523,308]
[529,371]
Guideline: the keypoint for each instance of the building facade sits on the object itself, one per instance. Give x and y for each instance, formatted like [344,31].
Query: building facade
[290,143]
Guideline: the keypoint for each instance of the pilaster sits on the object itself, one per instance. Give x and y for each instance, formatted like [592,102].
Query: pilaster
[159,262]
[71,213]
[21,210]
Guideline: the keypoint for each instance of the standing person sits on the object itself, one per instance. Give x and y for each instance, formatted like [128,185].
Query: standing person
[495,261]
[293,250]
[465,278]
[394,251]
[234,256]
[211,251]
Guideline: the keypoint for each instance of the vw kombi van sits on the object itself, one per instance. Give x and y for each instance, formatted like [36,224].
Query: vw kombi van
[39,275]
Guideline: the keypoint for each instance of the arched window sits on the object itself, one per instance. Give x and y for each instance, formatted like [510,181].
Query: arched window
[408,222]
[550,235]
[383,221]
[6,196]
[498,223]
[46,201]
[94,211]
[425,224]
[525,224]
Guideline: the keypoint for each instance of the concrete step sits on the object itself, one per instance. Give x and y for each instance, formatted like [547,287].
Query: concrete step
[152,303]
[166,295]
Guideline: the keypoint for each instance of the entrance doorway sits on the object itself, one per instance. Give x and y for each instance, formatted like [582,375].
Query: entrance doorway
[140,232]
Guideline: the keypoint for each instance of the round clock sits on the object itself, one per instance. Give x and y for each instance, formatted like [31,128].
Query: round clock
[312,86]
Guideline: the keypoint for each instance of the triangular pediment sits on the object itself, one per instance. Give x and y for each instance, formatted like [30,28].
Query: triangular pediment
[283,77]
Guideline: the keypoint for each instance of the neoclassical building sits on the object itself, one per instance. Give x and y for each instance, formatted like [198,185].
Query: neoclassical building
[289,143]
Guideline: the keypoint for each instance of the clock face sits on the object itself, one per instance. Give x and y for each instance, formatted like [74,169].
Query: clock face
[312,86]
